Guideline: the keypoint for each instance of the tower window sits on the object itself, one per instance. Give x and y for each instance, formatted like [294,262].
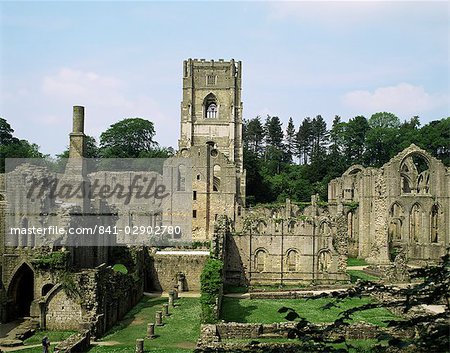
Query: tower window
[211,79]
[210,106]
[194,213]
[194,195]
[211,111]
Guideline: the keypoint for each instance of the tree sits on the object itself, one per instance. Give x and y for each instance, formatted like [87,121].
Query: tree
[12,147]
[354,135]
[303,140]
[92,150]
[381,138]
[290,140]
[274,131]
[128,139]
[435,137]
[253,135]
[319,140]
[6,133]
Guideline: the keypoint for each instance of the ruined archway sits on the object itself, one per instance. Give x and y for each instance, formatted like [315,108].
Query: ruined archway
[21,292]
[415,175]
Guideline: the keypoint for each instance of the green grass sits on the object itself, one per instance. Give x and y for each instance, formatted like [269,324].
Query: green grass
[358,274]
[353,261]
[266,310]
[54,336]
[178,335]
[361,346]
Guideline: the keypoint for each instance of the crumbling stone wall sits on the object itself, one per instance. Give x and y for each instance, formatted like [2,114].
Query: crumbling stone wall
[165,269]
[287,245]
[401,207]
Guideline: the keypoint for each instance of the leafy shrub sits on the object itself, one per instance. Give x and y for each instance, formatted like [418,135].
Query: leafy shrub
[211,283]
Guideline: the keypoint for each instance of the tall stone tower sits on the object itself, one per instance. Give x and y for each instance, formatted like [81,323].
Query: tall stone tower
[211,110]
[211,134]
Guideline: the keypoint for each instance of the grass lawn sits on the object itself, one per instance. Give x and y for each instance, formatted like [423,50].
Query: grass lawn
[178,335]
[54,336]
[266,310]
[358,274]
[353,261]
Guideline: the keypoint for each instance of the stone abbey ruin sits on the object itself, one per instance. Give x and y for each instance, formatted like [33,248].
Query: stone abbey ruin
[392,216]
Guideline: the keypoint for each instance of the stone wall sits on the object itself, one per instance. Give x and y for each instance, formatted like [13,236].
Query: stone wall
[401,207]
[287,245]
[165,267]
[63,313]
[211,336]
[76,343]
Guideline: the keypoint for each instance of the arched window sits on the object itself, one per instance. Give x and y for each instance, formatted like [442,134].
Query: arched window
[216,178]
[434,229]
[181,182]
[211,111]
[292,260]
[396,222]
[415,223]
[211,107]
[324,229]
[46,288]
[414,172]
[324,260]
[260,260]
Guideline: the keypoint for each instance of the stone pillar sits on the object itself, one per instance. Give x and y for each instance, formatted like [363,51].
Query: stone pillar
[151,330]
[77,137]
[166,309]
[42,316]
[171,298]
[181,278]
[158,317]
[139,345]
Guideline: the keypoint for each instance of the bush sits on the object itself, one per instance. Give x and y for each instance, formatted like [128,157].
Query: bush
[57,260]
[211,284]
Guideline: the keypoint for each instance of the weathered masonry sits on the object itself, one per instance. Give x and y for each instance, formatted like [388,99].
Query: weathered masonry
[402,207]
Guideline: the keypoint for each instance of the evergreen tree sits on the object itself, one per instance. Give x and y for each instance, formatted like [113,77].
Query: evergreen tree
[290,140]
[253,135]
[303,140]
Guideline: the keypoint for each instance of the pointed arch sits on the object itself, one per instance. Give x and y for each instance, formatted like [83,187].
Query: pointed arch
[324,260]
[260,260]
[292,258]
[396,217]
[211,106]
[21,291]
[435,223]
[415,222]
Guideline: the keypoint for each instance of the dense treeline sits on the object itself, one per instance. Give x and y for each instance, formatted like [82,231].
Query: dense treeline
[13,147]
[294,162]
[297,162]
[128,138]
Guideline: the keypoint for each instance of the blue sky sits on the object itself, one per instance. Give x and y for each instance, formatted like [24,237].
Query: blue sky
[124,59]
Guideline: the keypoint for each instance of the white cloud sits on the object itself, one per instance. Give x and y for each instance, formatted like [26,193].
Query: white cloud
[107,99]
[76,85]
[403,99]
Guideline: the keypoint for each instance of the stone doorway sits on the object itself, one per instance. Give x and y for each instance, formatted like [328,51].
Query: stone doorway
[21,292]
